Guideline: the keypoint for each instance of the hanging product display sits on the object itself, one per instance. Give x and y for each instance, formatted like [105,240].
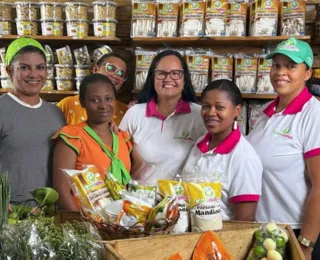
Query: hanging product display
[245,72]
[167,20]
[264,85]
[143,62]
[143,18]
[236,18]
[292,17]
[216,17]
[221,67]
[192,18]
[263,17]
[198,61]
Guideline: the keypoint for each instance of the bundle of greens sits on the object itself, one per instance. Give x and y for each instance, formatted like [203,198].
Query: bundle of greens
[40,238]
[4,198]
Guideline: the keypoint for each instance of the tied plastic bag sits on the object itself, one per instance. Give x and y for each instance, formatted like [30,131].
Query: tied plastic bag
[270,243]
[147,192]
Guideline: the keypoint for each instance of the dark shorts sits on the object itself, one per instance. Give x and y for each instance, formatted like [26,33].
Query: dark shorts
[316,250]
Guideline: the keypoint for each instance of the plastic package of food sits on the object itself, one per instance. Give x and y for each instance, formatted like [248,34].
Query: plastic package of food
[6,11]
[167,18]
[192,18]
[27,11]
[51,10]
[64,70]
[245,72]
[104,10]
[242,119]
[221,66]
[77,28]
[263,18]
[64,84]
[104,27]
[254,111]
[52,27]
[50,71]
[49,54]
[82,70]
[143,62]
[49,84]
[27,27]
[198,61]
[78,82]
[6,82]
[292,17]
[216,17]
[236,18]
[2,55]
[98,53]
[64,55]
[6,27]
[76,11]
[264,85]
[3,71]
[82,56]
[143,18]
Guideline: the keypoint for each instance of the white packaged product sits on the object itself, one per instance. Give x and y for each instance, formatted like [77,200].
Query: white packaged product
[263,18]
[51,10]
[77,28]
[52,27]
[104,27]
[292,17]
[64,84]
[254,111]
[242,119]
[6,27]
[99,52]
[167,18]
[143,62]
[82,70]
[3,70]
[78,82]
[245,72]
[236,18]
[143,18]
[192,18]
[49,84]
[6,82]
[27,27]
[264,85]
[221,67]
[216,17]
[50,71]
[198,61]
[104,9]
[6,11]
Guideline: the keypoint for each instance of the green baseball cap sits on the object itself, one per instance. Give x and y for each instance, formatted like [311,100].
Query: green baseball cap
[296,50]
[20,43]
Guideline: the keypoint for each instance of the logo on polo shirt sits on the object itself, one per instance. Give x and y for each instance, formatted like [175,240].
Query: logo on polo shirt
[185,135]
[284,133]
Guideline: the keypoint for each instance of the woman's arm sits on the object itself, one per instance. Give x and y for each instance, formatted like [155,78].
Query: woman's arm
[311,221]
[64,157]
[245,211]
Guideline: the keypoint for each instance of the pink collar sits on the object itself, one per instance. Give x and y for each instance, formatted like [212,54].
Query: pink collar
[294,107]
[183,107]
[225,147]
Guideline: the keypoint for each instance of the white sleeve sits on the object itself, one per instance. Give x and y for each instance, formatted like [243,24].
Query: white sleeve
[126,122]
[246,180]
[311,140]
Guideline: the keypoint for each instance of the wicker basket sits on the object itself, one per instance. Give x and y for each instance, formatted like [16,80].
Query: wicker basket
[111,231]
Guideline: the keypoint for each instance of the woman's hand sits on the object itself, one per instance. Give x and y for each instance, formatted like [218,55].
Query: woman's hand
[132,103]
[10,208]
[307,252]
[114,128]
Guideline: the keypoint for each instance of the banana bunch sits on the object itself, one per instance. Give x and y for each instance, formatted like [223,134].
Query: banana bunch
[46,198]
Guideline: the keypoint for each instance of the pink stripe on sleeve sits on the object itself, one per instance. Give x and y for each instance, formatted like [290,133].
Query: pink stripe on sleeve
[312,153]
[245,198]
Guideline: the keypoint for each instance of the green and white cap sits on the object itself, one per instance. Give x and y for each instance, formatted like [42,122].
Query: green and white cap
[296,50]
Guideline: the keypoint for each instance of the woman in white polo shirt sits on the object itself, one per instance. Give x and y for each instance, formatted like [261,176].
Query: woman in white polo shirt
[165,123]
[286,138]
[224,154]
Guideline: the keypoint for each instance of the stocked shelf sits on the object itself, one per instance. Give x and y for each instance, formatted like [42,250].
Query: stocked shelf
[63,38]
[218,41]
[50,95]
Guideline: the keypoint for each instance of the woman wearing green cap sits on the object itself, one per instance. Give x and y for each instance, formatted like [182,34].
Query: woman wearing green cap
[286,139]
[26,121]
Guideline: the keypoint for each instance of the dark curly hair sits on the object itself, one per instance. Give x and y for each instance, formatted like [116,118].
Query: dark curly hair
[148,91]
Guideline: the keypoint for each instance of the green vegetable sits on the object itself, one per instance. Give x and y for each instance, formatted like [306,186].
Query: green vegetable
[259,236]
[259,251]
[45,196]
[271,229]
[269,244]
[4,198]
[274,255]
[280,241]
[20,212]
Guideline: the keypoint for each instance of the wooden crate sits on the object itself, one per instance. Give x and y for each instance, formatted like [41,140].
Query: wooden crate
[63,216]
[237,238]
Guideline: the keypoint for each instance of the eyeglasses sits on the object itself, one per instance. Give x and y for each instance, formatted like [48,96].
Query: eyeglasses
[174,74]
[114,70]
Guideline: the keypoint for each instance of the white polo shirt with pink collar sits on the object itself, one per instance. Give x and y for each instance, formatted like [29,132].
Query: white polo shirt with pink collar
[283,142]
[161,144]
[234,162]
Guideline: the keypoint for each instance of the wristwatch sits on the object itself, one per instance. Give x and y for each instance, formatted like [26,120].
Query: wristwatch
[305,241]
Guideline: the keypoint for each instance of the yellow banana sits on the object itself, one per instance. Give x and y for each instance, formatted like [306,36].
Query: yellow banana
[45,196]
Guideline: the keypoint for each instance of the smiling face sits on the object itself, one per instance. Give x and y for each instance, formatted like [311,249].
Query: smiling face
[168,87]
[28,73]
[287,77]
[218,112]
[114,77]
[99,102]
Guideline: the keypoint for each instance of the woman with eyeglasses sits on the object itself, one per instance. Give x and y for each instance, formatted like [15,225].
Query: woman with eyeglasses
[114,67]
[166,121]
[92,142]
